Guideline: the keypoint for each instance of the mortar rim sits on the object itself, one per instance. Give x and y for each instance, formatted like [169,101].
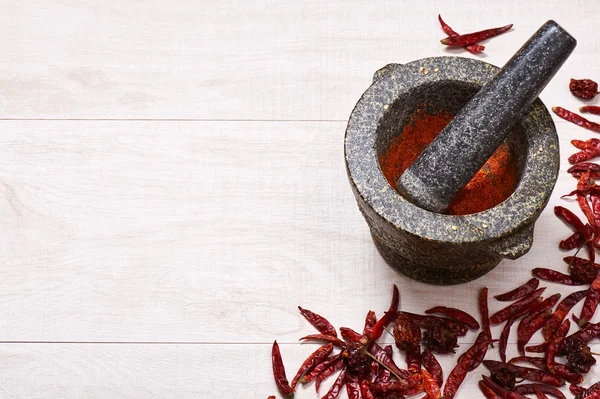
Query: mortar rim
[502,220]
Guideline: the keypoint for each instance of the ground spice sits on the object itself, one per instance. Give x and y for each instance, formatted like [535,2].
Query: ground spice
[495,181]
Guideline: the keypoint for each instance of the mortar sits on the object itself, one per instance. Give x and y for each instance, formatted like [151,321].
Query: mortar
[433,247]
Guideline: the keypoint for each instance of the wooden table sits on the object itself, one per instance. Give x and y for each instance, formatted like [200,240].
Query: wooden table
[172,185]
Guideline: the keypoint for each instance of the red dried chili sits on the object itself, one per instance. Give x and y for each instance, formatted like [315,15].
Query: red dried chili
[519,292]
[570,218]
[487,391]
[432,388]
[387,318]
[459,372]
[279,372]
[319,369]
[561,312]
[370,321]
[312,361]
[583,88]
[335,389]
[553,276]
[591,303]
[576,119]
[528,389]
[590,150]
[319,322]
[475,37]
[365,390]
[473,49]
[504,314]
[328,372]
[434,368]
[353,387]
[592,109]
[492,184]
[350,335]
[456,314]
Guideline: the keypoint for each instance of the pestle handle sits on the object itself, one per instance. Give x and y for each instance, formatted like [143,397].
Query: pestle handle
[470,139]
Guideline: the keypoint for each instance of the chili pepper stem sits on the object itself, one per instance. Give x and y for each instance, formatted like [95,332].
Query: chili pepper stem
[388,331]
[595,353]
[579,249]
[383,365]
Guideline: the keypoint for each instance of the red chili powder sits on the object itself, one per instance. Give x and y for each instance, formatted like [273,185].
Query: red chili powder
[495,181]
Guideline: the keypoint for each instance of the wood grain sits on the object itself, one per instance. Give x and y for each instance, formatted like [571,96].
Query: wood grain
[39,371]
[199,232]
[234,59]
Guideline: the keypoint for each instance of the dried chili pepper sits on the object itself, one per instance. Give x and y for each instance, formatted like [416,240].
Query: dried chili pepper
[590,303]
[370,321]
[529,329]
[350,335]
[365,390]
[594,168]
[484,310]
[506,330]
[525,372]
[279,372]
[505,314]
[576,389]
[440,339]
[328,372]
[430,321]
[575,240]
[319,322]
[579,356]
[561,312]
[473,49]
[544,306]
[590,150]
[434,368]
[413,360]
[335,389]
[528,389]
[592,392]
[353,387]
[586,334]
[312,361]
[456,314]
[554,276]
[407,333]
[475,37]
[322,337]
[539,394]
[432,388]
[375,332]
[592,109]
[576,119]
[387,387]
[583,88]
[570,218]
[271,397]
[487,391]
[582,271]
[501,391]
[459,372]
[519,292]
[310,376]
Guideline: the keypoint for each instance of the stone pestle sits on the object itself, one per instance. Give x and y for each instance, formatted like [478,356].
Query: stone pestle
[481,126]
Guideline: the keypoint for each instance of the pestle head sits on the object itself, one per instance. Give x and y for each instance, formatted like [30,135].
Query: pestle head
[468,141]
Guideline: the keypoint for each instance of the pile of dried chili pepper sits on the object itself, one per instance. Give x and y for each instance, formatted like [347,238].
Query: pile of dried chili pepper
[469,41]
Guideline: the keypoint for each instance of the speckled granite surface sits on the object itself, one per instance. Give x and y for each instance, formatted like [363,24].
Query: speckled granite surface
[432,247]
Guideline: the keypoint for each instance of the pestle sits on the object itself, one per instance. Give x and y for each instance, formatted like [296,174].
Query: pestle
[468,141]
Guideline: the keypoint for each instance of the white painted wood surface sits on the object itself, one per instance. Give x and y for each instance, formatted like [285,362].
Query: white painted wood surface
[173,185]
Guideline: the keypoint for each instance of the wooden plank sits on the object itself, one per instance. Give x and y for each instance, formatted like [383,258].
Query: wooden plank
[202,232]
[235,59]
[169,371]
